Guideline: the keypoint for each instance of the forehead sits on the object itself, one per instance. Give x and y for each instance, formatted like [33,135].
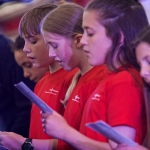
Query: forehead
[27,36]
[142,49]
[52,36]
[90,19]
[20,56]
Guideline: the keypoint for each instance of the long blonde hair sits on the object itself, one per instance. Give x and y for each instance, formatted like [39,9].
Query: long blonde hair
[71,87]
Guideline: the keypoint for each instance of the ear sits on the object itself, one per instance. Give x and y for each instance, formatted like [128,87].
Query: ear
[77,40]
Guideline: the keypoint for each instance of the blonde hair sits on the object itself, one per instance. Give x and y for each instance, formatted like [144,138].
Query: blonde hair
[59,2]
[71,87]
[66,20]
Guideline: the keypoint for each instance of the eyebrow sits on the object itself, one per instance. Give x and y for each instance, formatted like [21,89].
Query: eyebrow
[85,27]
[47,42]
[146,57]
[50,43]
[29,36]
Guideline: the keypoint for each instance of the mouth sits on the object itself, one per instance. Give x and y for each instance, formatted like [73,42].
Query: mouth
[59,61]
[34,80]
[147,81]
[87,53]
[31,58]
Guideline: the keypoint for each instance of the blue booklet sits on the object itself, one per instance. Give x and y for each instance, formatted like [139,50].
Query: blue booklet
[107,131]
[3,148]
[33,97]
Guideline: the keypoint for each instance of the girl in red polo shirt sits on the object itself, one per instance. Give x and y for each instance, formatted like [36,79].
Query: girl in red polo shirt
[141,46]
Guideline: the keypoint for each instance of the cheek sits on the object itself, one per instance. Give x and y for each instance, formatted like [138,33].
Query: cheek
[34,74]
[91,42]
[66,54]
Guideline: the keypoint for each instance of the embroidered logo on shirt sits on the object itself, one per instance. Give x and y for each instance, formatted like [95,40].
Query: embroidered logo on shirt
[96,97]
[52,91]
[76,99]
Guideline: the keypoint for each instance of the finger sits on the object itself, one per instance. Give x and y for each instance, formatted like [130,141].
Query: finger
[122,145]
[43,120]
[45,114]
[43,126]
[0,137]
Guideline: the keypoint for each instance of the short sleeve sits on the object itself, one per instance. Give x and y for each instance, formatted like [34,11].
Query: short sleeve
[125,102]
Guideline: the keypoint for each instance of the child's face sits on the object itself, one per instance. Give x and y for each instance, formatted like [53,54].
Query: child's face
[34,74]
[37,50]
[62,50]
[95,41]
[143,59]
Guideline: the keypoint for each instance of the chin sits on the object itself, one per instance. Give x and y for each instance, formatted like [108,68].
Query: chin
[147,81]
[37,66]
[68,69]
[95,63]
[36,80]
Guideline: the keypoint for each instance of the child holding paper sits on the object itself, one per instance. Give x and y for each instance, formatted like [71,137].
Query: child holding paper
[52,87]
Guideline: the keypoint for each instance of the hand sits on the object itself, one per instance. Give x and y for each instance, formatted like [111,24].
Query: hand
[11,140]
[54,125]
[125,147]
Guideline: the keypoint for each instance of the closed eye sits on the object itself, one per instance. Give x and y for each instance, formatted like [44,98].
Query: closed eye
[54,45]
[34,42]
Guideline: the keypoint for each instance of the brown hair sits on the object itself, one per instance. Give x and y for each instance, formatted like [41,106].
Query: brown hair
[30,22]
[144,36]
[125,17]
[18,44]
[66,20]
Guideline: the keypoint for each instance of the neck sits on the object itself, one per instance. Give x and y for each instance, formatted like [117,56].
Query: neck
[84,64]
[54,67]
[85,69]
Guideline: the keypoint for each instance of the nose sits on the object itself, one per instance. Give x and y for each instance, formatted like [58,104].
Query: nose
[52,53]
[27,74]
[83,40]
[145,71]
[26,48]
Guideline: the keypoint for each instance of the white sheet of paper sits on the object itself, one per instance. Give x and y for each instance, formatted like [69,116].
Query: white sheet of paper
[3,148]
[107,131]
[33,97]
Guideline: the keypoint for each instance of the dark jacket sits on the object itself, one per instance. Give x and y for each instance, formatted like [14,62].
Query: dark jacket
[14,107]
